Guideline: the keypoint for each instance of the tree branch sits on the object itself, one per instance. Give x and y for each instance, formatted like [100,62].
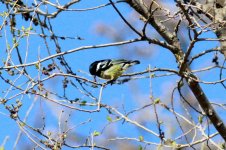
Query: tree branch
[179,54]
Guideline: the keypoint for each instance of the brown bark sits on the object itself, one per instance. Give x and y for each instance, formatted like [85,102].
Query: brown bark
[171,38]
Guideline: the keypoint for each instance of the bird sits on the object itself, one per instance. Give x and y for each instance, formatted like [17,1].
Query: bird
[110,69]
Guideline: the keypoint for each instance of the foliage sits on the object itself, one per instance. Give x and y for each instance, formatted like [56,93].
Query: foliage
[173,100]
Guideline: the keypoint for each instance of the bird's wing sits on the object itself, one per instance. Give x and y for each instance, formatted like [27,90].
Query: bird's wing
[120,61]
[124,64]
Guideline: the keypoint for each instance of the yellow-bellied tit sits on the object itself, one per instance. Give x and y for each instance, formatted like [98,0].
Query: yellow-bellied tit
[110,69]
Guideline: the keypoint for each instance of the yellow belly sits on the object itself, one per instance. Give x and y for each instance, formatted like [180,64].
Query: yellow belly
[111,76]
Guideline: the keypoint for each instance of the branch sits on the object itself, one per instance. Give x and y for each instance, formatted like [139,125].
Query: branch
[72,51]
[179,54]
[207,107]
[159,27]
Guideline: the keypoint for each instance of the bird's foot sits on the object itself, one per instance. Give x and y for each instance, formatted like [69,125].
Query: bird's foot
[111,82]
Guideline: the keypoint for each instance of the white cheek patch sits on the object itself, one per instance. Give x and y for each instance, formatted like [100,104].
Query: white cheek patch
[98,67]
[102,65]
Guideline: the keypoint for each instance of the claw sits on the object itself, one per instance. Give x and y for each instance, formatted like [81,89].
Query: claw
[111,81]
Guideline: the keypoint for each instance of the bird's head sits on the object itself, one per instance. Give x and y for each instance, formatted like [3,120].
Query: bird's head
[93,68]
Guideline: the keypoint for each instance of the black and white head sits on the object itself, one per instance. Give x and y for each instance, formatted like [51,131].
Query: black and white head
[96,67]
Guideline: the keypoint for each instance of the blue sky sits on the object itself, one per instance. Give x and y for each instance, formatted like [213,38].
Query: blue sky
[125,97]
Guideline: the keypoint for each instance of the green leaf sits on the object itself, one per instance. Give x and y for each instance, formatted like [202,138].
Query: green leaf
[109,118]
[5,13]
[14,40]
[83,103]
[152,75]
[22,28]
[200,119]
[140,147]
[16,45]
[171,142]
[37,65]
[96,133]
[49,133]
[157,100]
[22,124]
[168,142]
[8,46]
[18,32]
[2,148]
[29,28]
[174,144]
[141,138]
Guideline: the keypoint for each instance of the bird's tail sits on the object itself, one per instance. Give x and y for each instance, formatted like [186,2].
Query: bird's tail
[134,62]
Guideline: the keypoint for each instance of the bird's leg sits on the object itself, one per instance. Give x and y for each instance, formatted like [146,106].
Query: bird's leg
[94,77]
[94,84]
